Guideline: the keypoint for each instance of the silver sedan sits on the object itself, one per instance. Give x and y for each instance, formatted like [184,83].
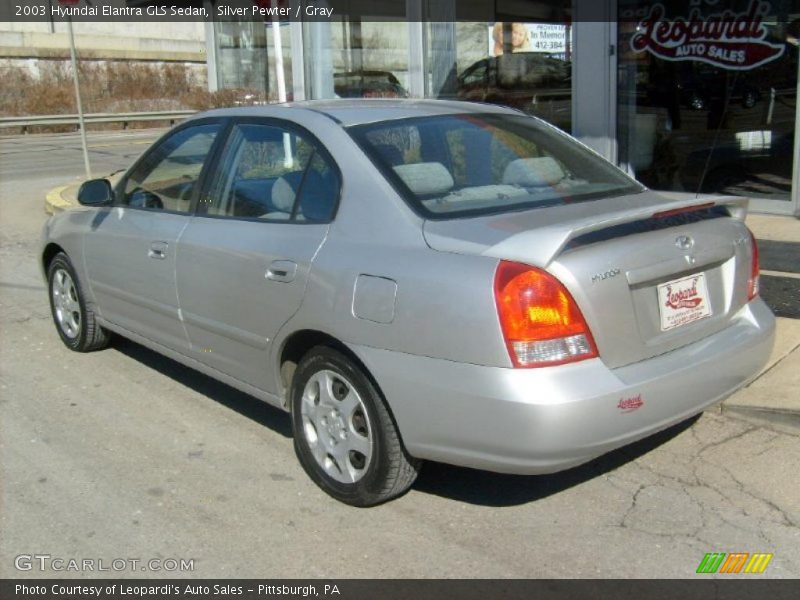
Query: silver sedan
[416,280]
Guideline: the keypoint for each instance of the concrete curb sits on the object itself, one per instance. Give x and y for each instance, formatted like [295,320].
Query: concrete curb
[57,200]
[66,196]
[785,420]
[772,397]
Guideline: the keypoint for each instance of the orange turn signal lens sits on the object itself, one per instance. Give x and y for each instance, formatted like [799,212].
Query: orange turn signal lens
[541,322]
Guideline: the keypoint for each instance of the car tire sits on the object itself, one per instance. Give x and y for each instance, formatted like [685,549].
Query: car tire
[74,319]
[749,99]
[344,435]
[697,103]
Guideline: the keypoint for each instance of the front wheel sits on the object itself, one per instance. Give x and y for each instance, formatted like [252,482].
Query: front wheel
[74,320]
[344,436]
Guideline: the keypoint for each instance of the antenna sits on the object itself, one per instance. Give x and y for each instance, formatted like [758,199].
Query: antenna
[728,94]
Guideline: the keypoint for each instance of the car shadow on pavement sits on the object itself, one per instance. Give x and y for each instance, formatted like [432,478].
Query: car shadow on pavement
[495,489]
[244,404]
[456,483]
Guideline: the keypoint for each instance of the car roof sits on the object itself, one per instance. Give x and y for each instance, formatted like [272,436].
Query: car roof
[358,111]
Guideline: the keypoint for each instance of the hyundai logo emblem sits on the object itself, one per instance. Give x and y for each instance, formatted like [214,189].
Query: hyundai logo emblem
[684,242]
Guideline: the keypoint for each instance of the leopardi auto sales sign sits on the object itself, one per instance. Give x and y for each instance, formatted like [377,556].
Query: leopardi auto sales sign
[734,41]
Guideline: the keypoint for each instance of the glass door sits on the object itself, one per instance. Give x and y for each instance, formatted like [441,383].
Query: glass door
[523,61]
[707,97]
[793,206]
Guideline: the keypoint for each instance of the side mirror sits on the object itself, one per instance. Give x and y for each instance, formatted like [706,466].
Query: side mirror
[96,192]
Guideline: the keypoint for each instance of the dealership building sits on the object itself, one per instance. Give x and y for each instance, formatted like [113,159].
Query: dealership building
[687,95]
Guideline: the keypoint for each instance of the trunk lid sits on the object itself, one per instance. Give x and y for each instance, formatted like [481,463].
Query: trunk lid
[635,264]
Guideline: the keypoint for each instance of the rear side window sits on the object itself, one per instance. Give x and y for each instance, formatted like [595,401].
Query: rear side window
[272,173]
[463,165]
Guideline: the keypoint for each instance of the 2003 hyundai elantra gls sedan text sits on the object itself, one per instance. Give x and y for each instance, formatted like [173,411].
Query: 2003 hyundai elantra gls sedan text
[416,280]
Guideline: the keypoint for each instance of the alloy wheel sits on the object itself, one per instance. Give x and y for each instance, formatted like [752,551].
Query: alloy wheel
[336,427]
[66,304]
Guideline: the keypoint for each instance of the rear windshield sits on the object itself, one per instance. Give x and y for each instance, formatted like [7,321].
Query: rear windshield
[473,164]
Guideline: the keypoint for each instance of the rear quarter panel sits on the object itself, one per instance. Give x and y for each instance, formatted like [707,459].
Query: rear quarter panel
[444,305]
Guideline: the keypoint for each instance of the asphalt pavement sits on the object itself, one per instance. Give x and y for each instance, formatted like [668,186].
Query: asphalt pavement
[126,454]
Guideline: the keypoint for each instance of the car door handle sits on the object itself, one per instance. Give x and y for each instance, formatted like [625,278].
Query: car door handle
[158,250]
[282,270]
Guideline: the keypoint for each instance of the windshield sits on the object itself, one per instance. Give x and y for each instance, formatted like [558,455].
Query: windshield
[474,164]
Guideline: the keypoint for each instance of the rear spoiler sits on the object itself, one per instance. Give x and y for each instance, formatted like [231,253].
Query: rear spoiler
[547,242]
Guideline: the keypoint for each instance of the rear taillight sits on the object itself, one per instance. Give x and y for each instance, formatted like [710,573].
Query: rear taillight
[541,322]
[752,282]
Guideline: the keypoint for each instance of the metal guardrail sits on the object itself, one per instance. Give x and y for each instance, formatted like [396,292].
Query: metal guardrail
[124,118]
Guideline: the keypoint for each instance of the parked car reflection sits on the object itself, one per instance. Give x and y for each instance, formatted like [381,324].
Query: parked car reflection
[368,84]
[702,86]
[535,82]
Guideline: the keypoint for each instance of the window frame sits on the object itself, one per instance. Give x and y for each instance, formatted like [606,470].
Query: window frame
[214,166]
[208,163]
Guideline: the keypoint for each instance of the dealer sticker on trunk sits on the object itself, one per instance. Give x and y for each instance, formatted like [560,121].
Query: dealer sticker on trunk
[683,301]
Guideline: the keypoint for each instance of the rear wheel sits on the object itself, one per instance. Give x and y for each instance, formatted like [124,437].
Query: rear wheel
[697,103]
[749,99]
[344,436]
[74,320]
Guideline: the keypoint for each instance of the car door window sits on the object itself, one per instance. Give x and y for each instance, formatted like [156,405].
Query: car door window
[272,173]
[166,178]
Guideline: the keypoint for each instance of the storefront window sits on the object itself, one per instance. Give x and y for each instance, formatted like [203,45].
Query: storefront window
[525,65]
[708,95]
[247,60]
[279,66]
[242,55]
[523,61]
[350,58]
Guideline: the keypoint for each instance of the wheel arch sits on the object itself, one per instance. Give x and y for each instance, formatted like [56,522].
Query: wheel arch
[297,345]
[48,254]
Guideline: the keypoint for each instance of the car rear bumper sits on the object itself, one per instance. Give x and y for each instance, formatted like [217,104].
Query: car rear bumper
[545,420]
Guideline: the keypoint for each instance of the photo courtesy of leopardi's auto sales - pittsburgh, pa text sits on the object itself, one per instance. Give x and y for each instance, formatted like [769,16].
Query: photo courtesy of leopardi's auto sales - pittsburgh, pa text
[144,589]
[348,299]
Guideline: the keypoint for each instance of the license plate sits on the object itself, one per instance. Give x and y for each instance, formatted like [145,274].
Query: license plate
[683,301]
